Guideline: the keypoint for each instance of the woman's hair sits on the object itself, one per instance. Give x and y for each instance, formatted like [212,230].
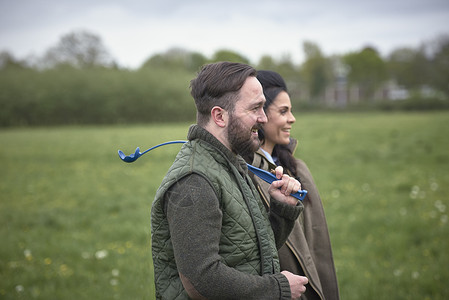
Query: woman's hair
[218,84]
[273,84]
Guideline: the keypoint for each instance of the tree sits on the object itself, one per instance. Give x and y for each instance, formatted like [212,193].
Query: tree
[440,64]
[367,70]
[284,66]
[266,62]
[409,67]
[287,68]
[229,55]
[7,60]
[79,49]
[316,70]
[176,58]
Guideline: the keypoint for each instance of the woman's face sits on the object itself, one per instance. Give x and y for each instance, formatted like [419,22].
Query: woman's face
[280,120]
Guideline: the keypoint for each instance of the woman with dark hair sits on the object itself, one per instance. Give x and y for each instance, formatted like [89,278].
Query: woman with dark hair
[307,251]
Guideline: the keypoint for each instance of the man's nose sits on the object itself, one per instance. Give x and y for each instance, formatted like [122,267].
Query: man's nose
[262,118]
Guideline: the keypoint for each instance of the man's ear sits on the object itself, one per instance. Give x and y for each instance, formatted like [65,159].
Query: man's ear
[219,116]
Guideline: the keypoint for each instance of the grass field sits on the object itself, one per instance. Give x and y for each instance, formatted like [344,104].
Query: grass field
[74,219]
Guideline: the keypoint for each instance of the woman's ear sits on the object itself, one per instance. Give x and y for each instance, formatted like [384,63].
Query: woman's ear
[219,116]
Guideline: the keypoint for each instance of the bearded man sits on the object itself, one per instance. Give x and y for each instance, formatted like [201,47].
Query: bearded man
[211,235]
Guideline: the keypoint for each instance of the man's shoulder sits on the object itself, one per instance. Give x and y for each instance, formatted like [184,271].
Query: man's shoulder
[188,188]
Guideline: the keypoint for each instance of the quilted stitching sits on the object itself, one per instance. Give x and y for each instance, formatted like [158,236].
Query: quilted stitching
[239,247]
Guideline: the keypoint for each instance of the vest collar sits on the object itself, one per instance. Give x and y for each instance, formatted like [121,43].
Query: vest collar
[198,132]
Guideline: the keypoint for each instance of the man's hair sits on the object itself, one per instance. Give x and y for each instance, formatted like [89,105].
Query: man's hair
[218,84]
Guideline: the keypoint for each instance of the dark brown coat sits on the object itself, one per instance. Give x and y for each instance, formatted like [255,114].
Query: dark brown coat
[307,250]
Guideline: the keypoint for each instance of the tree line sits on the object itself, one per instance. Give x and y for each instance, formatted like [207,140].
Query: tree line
[78,82]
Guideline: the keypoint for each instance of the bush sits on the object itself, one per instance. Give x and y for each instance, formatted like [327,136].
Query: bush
[67,95]
[95,96]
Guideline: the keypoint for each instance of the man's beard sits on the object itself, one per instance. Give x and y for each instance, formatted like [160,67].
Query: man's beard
[240,138]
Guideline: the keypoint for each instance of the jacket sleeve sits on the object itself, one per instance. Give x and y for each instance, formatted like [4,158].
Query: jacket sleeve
[282,216]
[194,217]
[282,219]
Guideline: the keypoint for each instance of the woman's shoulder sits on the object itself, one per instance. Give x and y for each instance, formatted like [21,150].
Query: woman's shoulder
[261,161]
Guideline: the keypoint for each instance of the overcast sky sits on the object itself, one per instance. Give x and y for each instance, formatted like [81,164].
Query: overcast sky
[133,30]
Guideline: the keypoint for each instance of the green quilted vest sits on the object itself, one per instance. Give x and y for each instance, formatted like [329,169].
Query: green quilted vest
[247,242]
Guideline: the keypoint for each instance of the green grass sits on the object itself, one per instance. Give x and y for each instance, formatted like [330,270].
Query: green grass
[74,219]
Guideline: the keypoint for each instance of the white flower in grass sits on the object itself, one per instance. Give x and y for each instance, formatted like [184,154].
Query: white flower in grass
[113,282]
[100,254]
[440,206]
[19,288]
[115,272]
[414,192]
[28,255]
[366,187]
